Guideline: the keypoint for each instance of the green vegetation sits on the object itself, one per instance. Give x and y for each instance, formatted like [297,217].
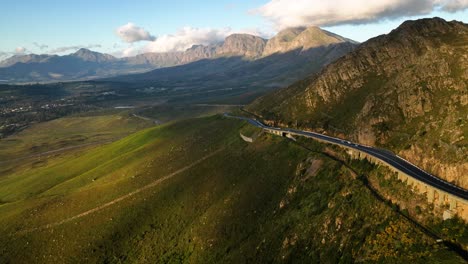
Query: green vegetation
[230,202]
[414,204]
[170,112]
[48,143]
[69,131]
[342,114]
[251,131]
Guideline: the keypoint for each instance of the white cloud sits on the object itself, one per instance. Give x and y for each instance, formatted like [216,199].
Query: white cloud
[286,13]
[186,38]
[189,36]
[4,55]
[453,5]
[74,48]
[20,50]
[40,46]
[129,51]
[132,33]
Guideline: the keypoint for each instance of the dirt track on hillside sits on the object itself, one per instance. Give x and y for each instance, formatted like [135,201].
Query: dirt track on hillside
[119,199]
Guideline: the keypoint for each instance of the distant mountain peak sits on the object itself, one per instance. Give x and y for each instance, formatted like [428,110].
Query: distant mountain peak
[424,22]
[303,38]
[93,56]
[84,50]
[27,58]
[289,34]
[241,35]
[427,27]
[242,45]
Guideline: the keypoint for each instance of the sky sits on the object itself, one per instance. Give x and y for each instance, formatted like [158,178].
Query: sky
[130,27]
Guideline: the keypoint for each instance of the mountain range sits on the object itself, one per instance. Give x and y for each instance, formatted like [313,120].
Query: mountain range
[254,68]
[405,91]
[87,64]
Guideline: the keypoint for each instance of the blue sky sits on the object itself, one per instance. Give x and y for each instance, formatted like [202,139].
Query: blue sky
[33,25]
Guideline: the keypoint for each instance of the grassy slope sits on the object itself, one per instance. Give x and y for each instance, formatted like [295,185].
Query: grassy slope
[171,112]
[260,202]
[52,142]
[69,131]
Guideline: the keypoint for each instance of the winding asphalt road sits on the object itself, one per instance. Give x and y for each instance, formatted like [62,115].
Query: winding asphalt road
[381,154]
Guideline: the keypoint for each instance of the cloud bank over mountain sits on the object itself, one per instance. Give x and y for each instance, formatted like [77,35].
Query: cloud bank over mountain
[181,40]
[20,50]
[40,46]
[132,33]
[186,38]
[73,48]
[283,14]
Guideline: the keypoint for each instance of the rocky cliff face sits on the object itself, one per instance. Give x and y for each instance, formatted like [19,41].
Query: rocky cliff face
[247,46]
[406,91]
[242,45]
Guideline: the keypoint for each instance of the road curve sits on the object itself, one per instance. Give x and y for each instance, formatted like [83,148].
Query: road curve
[381,154]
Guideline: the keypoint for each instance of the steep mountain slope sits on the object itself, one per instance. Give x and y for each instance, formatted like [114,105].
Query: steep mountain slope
[86,64]
[406,91]
[194,192]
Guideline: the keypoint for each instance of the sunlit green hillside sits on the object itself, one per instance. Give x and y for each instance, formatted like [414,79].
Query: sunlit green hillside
[194,192]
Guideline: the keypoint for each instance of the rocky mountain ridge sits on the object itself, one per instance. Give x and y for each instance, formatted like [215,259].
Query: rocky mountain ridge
[26,68]
[30,58]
